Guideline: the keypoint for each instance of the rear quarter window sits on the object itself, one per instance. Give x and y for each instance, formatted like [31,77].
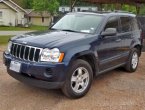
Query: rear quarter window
[135,24]
[126,24]
[129,24]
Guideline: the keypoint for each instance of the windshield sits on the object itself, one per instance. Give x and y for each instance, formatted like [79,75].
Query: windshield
[79,23]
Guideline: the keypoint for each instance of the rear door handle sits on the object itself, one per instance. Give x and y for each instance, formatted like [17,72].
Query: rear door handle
[118,40]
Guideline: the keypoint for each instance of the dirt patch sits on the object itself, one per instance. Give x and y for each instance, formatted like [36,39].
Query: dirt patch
[115,90]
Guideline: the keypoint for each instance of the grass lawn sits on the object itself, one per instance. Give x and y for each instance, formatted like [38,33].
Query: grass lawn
[7,28]
[4,39]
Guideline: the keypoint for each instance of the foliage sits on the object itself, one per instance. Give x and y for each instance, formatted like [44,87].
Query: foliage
[27,4]
[19,2]
[124,7]
[129,8]
[50,6]
[142,10]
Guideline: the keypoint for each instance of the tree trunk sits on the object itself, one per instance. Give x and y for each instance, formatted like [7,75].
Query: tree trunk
[99,7]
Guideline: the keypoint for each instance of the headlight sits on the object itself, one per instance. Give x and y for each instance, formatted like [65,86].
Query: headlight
[9,47]
[52,55]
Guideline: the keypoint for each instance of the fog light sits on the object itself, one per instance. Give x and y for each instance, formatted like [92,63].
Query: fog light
[48,73]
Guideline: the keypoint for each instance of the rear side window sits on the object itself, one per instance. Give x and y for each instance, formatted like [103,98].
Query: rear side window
[113,22]
[126,24]
[135,25]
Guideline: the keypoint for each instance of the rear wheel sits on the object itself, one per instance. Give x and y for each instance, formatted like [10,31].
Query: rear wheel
[79,79]
[132,64]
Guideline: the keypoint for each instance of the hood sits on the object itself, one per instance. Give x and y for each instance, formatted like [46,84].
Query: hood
[49,39]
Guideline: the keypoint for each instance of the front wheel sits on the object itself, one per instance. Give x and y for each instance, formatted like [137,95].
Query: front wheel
[133,61]
[79,79]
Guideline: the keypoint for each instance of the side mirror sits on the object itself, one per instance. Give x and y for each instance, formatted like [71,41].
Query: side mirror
[109,32]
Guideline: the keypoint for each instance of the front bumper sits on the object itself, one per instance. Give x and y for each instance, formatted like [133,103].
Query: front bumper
[43,75]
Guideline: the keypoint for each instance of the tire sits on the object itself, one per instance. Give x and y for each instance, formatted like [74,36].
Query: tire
[131,66]
[78,71]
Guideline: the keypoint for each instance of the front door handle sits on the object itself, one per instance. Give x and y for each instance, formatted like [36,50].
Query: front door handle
[118,40]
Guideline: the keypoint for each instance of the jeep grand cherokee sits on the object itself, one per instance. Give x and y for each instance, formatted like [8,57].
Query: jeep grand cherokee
[77,48]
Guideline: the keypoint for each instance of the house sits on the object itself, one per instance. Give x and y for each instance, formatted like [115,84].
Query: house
[11,14]
[39,18]
[64,9]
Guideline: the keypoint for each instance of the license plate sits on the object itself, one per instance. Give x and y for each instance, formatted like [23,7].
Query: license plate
[15,66]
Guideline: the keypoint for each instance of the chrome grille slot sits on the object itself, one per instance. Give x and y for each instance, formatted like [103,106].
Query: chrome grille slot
[12,49]
[31,55]
[25,52]
[15,47]
[18,51]
[22,52]
[37,53]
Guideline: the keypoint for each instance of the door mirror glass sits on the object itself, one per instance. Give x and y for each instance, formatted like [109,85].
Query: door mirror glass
[109,32]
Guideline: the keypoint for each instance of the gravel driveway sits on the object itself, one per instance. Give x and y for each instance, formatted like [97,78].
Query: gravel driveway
[115,90]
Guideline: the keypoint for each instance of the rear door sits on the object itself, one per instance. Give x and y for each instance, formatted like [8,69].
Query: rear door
[129,31]
[126,33]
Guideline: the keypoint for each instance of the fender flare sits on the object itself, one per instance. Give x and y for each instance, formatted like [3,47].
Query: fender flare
[77,52]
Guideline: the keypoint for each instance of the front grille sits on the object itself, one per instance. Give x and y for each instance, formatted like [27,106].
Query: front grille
[25,52]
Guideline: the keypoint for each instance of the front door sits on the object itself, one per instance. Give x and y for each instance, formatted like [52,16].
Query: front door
[109,46]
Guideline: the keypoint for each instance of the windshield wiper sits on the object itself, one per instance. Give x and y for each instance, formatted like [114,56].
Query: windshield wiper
[69,30]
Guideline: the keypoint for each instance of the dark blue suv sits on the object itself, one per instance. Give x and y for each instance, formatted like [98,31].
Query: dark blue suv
[77,48]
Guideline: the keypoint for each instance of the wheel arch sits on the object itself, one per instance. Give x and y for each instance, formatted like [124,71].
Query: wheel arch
[90,57]
[138,47]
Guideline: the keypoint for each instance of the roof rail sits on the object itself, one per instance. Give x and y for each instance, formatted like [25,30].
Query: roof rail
[101,12]
[96,11]
[121,11]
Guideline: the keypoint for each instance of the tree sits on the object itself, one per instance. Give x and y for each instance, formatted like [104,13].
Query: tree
[50,6]
[27,4]
[19,2]
[142,10]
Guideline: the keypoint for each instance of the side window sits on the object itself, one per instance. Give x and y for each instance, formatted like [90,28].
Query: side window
[113,22]
[135,25]
[126,24]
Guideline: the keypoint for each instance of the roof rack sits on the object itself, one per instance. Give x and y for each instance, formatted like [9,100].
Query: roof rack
[96,11]
[101,12]
[121,11]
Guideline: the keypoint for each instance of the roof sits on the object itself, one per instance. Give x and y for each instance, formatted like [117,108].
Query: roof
[38,14]
[29,10]
[13,5]
[107,13]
